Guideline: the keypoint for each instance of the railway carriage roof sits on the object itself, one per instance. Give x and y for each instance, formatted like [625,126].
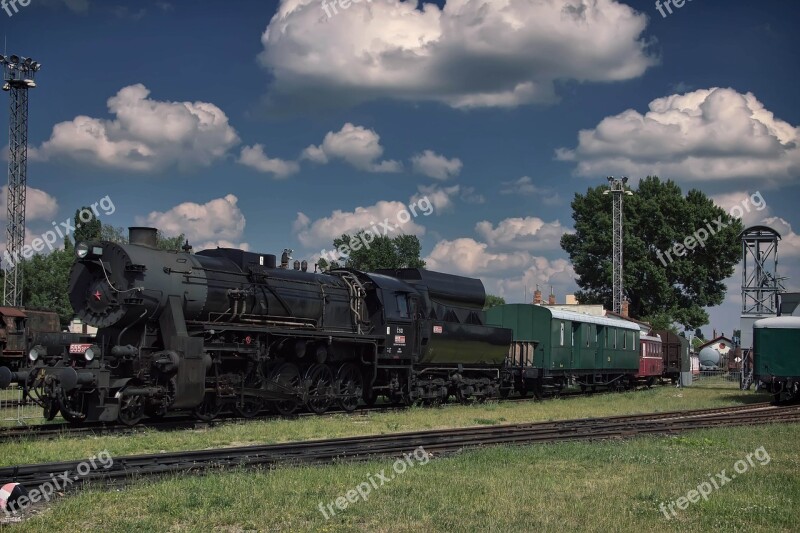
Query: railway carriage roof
[778,322]
[12,311]
[592,319]
[649,338]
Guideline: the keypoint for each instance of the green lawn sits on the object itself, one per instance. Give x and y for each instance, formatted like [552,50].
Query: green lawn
[608,486]
[709,394]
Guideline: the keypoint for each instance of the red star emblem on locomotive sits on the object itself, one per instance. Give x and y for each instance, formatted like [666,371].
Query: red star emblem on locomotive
[97,295]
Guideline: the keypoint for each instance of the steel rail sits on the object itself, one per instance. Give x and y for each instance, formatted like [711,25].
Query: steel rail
[442,441]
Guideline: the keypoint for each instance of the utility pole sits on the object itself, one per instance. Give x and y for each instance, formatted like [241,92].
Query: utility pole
[617,190]
[18,75]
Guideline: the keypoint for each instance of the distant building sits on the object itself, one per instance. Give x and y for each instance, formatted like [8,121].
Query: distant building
[715,353]
[76,326]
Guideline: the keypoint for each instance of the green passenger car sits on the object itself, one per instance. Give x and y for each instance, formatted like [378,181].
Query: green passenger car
[554,345]
[776,356]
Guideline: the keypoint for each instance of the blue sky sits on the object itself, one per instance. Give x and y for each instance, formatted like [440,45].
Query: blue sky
[272,125]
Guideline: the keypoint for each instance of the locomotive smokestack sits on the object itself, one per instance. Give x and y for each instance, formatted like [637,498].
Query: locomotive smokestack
[143,236]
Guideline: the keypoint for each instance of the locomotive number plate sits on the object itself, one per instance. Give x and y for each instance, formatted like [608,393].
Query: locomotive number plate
[400,339]
[437,329]
[79,348]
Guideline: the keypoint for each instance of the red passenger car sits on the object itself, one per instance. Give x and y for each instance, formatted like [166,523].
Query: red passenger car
[651,363]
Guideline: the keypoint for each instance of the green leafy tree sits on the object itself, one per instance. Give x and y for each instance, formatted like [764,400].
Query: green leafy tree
[170,243]
[89,228]
[113,234]
[661,288]
[492,301]
[402,251]
[46,281]
[699,334]
[120,235]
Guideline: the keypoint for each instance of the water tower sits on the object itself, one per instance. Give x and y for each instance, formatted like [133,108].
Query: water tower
[760,282]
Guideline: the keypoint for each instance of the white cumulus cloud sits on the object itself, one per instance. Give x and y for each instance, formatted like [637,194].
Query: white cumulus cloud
[38,204]
[321,232]
[528,233]
[469,53]
[218,222]
[356,145]
[505,274]
[145,135]
[436,166]
[255,157]
[706,135]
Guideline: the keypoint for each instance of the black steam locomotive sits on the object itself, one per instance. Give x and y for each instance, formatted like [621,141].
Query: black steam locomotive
[228,329]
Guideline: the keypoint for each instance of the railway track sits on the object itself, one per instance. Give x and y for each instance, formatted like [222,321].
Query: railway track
[51,431]
[436,442]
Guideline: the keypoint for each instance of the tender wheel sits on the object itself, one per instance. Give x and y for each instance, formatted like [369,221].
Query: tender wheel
[209,408]
[286,375]
[319,379]
[131,408]
[351,386]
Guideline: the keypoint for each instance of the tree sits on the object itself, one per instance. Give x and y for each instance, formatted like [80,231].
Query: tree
[493,301]
[661,284]
[113,234]
[699,334]
[402,251]
[46,284]
[697,342]
[118,234]
[87,226]
[170,243]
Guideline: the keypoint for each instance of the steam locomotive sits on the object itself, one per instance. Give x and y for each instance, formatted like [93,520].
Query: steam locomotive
[228,329]
[231,330]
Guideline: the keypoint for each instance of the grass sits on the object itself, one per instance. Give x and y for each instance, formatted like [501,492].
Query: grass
[707,394]
[608,486]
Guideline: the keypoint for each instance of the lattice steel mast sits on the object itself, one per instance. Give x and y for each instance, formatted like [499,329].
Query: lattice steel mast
[617,190]
[18,76]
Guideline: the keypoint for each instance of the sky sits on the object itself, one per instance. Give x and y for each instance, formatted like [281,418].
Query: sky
[470,123]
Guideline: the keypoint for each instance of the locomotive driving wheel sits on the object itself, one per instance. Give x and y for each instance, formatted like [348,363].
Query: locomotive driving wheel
[351,386]
[249,406]
[320,385]
[287,375]
[209,408]
[131,408]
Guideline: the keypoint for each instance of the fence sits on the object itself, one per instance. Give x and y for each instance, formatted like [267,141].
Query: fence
[718,375]
[16,411]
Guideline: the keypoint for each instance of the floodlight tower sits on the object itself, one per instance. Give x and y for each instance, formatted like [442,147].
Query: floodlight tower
[18,75]
[617,189]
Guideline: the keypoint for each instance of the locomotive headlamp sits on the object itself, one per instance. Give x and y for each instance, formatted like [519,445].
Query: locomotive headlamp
[82,250]
[36,352]
[90,353]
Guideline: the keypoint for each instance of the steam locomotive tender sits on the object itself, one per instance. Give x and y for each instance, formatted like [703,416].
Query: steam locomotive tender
[228,329]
